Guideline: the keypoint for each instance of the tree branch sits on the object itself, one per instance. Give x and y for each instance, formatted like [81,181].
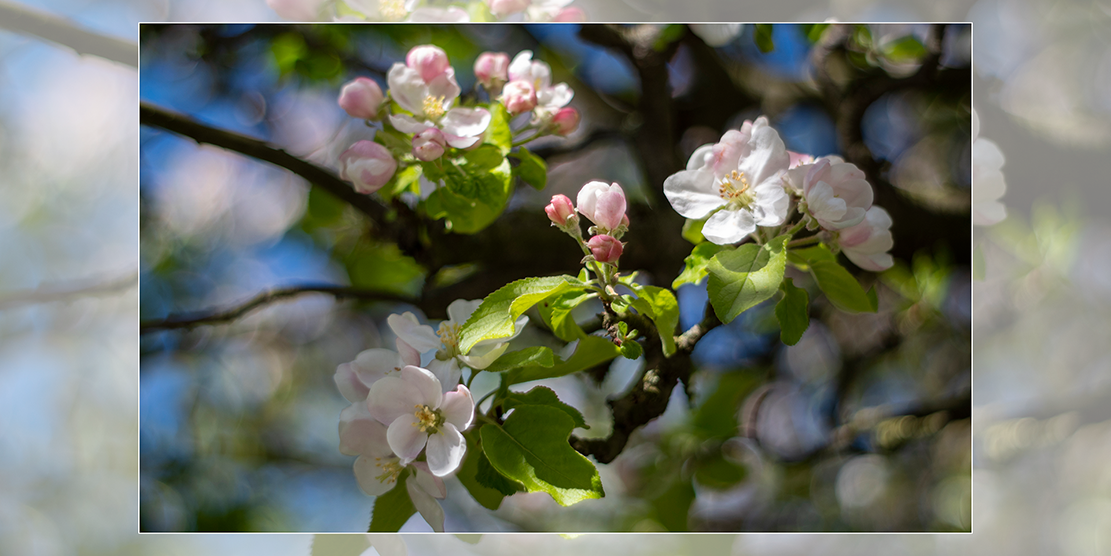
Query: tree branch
[58,30]
[46,293]
[199,318]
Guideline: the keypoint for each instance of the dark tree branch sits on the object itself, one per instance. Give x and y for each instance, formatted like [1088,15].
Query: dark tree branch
[58,30]
[66,291]
[224,316]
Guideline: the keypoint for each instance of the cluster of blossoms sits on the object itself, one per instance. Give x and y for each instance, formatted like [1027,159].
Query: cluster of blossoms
[428,120]
[749,179]
[427,11]
[401,408]
[603,205]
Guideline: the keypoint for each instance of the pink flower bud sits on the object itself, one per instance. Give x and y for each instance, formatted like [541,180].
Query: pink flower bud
[566,121]
[502,8]
[361,98]
[368,165]
[560,210]
[570,15]
[492,69]
[429,60]
[429,144]
[605,248]
[519,97]
[603,204]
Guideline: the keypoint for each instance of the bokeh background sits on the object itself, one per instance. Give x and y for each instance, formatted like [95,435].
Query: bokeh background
[1041,430]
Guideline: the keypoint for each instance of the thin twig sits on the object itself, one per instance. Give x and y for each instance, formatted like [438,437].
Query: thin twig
[61,31]
[228,315]
[66,291]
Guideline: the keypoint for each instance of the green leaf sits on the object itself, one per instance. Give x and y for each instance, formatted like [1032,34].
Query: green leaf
[661,306]
[763,38]
[556,312]
[531,447]
[694,266]
[839,286]
[718,473]
[408,179]
[491,478]
[542,395]
[590,351]
[488,495]
[692,231]
[906,49]
[498,132]
[792,312]
[528,357]
[814,31]
[471,201]
[716,417]
[494,318]
[384,268]
[339,545]
[533,170]
[483,159]
[631,349]
[392,509]
[746,276]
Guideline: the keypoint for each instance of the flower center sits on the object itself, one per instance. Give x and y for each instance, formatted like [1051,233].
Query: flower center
[734,189]
[391,470]
[392,10]
[433,107]
[449,336]
[428,419]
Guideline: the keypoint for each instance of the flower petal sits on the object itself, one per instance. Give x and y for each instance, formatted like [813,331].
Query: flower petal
[447,372]
[458,408]
[461,309]
[767,155]
[348,383]
[482,356]
[361,434]
[426,383]
[407,88]
[555,97]
[729,226]
[427,481]
[692,194]
[445,450]
[771,204]
[444,85]
[701,157]
[465,122]
[391,398]
[367,471]
[409,354]
[408,124]
[428,507]
[420,336]
[405,437]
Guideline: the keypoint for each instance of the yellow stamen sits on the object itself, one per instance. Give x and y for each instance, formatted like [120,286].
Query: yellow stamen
[433,107]
[728,189]
[428,419]
[392,10]
[391,470]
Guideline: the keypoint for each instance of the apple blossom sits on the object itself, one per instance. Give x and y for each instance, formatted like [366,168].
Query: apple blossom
[867,243]
[798,159]
[566,121]
[603,204]
[518,97]
[361,98]
[549,98]
[353,379]
[836,193]
[368,165]
[492,69]
[561,211]
[429,144]
[431,101]
[605,248]
[444,341]
[736,182]
[383,10]
[987,178]
[418,414]
[430,61]
[377,469]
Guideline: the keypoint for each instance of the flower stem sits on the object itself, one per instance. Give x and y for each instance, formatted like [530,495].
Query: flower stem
[804,242]
[798,227]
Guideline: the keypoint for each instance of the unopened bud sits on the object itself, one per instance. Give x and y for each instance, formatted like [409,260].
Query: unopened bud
[429,144]
[560,210]
[519,97]
[605,248]
[566,121]
[429,60]
[492,69]
[361,98]
[368,165]
[603,204]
